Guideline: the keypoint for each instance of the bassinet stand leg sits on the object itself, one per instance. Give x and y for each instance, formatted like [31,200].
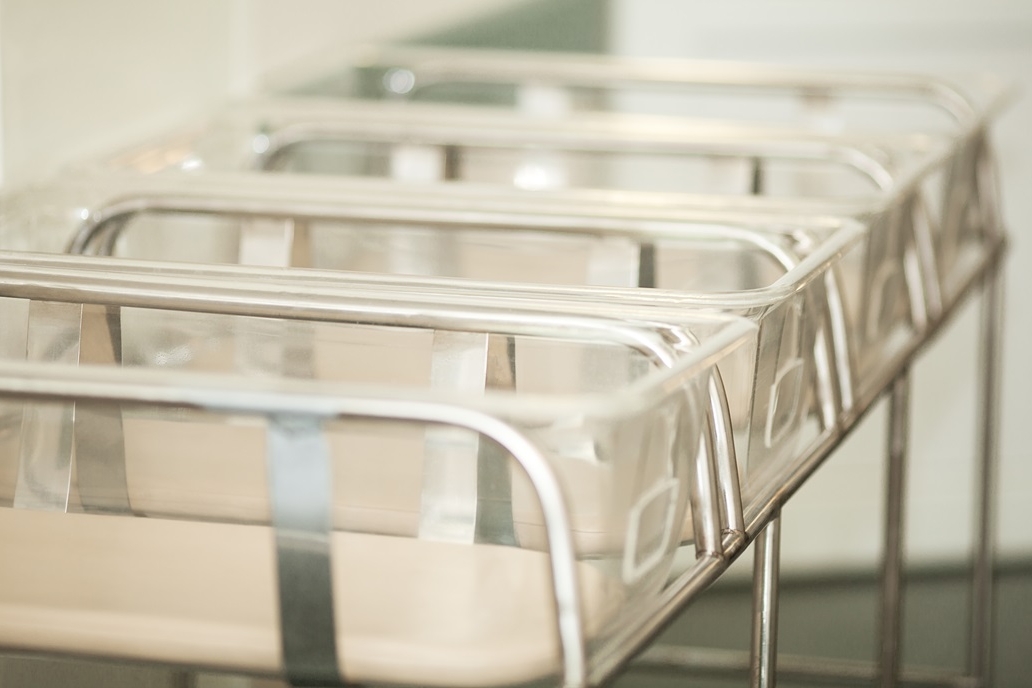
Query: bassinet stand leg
[893,543]
[766,571]
[980,654]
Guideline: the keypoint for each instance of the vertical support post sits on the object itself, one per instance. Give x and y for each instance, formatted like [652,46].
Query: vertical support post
[766,573]
[893,553]
[980,654]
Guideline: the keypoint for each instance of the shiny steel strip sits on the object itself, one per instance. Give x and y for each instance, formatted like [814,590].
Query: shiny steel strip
[300,493]
[99,442]
[494,517]
[894,551]
[981,655]
[466,495]
[766,574]
[46,436]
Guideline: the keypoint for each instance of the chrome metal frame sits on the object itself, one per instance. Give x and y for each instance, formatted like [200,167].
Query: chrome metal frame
[41,382]
[428,66]
[766,575]
[886,671]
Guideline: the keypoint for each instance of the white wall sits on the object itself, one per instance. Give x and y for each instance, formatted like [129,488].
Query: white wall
[78,77]
[834,521]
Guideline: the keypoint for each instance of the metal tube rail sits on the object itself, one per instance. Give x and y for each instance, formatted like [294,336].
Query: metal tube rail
[893,552]
[290,123]
[980,658]
[430,66]
[763,662]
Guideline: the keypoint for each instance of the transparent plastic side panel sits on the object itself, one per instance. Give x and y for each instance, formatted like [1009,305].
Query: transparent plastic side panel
[465,610]
[791,383]
[183,465]
[484,611]
[879,287]
[786,412]
[699,264]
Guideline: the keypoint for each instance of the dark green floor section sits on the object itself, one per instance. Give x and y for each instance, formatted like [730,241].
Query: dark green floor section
[571,25]
[829,618]
[836,618]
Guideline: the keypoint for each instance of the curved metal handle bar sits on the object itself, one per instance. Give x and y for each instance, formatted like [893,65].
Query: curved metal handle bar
[96,229]
[96,235]
[183,294]
[432,67]
[791,283]
[228,395]
[573,136]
